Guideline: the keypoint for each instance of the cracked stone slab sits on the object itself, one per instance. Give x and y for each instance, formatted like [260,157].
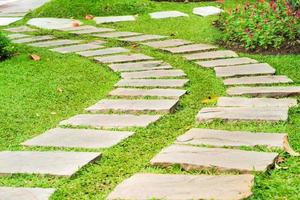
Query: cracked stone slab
[190,48]
[113,19]
[20,29]
[123,58]
[221,138]
[173,83]
[143,38]
[56,163]
[153,74]
[111,120]
[226,62]
[116,34]
[4,21]
[211,55]
[102,52]
[133,92]
[92,30]
[190,158]
[167,43]
[138,66]
[133,105]
[243,113]
[76,48]
[17,36]
[167,14]
[52,23]
[207,11]
[78,138]
[22,193]
[171,187]
[272,91]
[253,80]
[33,39]
[55,43]
[245,70]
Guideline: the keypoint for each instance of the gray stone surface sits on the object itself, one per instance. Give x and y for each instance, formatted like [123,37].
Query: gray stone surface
[78,138]
[123,58]
[52,23]
[245,70]
[167,43]
[116,34]
[190,48]
[111,120]
[54,43]
[173,83]
[220,138]
[176,187]
[279,91]
[77,28]
[207,11]
[243,113]
[17,36]
[4,21]
[253,80]
[211,55]
[20,29]
[143,38]
[190,157]
[33,39]
[137,66]
[226,62]
[167,14]
[76,48]
[132,92]
[48,162]
[101,52]
[153,74]
[113,19]
[92,30]
[133,105]
[19,193]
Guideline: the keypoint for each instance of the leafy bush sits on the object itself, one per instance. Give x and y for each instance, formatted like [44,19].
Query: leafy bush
[6,48]
[264,25]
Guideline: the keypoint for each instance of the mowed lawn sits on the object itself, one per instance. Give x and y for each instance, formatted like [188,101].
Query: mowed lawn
[35,96]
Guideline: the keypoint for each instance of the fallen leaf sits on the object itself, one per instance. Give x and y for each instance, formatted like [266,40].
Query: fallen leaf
[89,17]
[53,113]
[60,90]
[280,159]
[75,23]
[35,57]
[135,45]
[210,100]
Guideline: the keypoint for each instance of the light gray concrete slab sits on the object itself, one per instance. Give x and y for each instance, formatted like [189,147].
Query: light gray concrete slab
[190,48]
[133,92]
[116,34]
[77,28]
[17,36]
[167,43]
[153,74]
[137,66]
[167,14]
[253,80]
[4,21]
[102,52]
[55,43]
[92,30]
[113,19]
[52,23]
[211,55]
[76,48]
[207,11]
[173,83]
[33,39]
[143,38]
[123,58]
[272,91]
[226,62]
[22,193]
[20,29]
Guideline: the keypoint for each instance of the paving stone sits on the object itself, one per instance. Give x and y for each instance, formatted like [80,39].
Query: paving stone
[226,62]
[123,58]
[139,66]
[153,74]
[14,14]
[190,48]
[46,163]
[113,19]
[20,193]
[116,34]
[279,91]
[253,80]
[207,11]
[255,102]
[76,48]
[167,14]
[20,29]
[143,38]
[243,113]
[220,138]
[167,43]
[133,105]
[52,23]
[4,21]
[54,43]
[92,30]
[33,39]
[111,120]
[101,52]
[245,70]
[78,138]
[190,158]
[211,55]
[17,36]
[132,92]
[173,83]
[171,187]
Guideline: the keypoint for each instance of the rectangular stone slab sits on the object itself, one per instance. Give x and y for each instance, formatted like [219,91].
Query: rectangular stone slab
[220,138]
[116,34]
[56,163]
[22,193]
[167,43]
[54,43]
[78,138]
[111,120]
[17,36]
[76,48]
[124,105]
[4,21]
[226,62]
[253,80]
[33,39]
[92,30]
[190,48]
[177,186]
[143,38]
[101,52]
[167,14]
[123,58]
[153,74]
[173,83]
[245,70]
[20,29]
[243,113]
[113,19]
[77,28]
[137,66]
[190,158]
[132,92]
[211,55]
[272,91]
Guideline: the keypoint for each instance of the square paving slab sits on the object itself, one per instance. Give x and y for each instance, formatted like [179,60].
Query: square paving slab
[123,58]
[191,157]
[253,80]
[92,30]
[113,19]
[17,36]
[189,48]
[279,91]
[226,62]
[20,29]
[78,138]
[173,83]
[111,120]
[167,14]
[56,163]
[54,43]
[143,38]
[176,187]
[220,138]
[76,48]
[19,193]
[167,43]
[132,92]
[116,34]
[101,52]
[211,55]
[153,74]
[33,39]
[137,66]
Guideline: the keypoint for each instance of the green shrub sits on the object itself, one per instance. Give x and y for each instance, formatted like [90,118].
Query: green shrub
[6,48]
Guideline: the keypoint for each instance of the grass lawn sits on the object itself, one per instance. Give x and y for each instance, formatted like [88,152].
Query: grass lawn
[35,96]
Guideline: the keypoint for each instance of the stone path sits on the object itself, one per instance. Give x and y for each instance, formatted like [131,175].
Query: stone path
[167,14]
[18,193]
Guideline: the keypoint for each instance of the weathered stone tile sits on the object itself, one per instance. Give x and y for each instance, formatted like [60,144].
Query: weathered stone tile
[190,157]
[167,43]
[20,193]
[111,120]
[245,70]
[167,14]
[253,80]
[211,55]
[78,138]
[173,83]
[123,58]
[76,48]
[133,105]
[113,19]
[54,43]
[92,30]
[243,113]
[153,74]
[171,187]
[17,36]
[207,11]
[4,21]
[143,38]
[56,163]
[133,92]
[52,23]
[137,66]
[116,34]
[220,138]
[189,48]
[272,91]
[78,28]
[33,39]
[226,62]
[101,52]
[20,29]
